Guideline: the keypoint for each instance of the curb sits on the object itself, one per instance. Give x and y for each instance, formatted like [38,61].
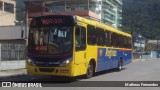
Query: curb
[137,60]
[15,75]
[142,60]
[12,73]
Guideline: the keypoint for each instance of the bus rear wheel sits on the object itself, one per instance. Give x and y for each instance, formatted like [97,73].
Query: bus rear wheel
[90,70]
[120,64]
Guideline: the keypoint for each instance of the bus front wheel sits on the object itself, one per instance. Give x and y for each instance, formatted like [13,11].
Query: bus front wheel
[90,70]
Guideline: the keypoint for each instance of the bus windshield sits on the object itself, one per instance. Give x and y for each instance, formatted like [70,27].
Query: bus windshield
[50,40]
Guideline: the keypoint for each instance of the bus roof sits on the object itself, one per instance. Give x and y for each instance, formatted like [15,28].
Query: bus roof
[107,27]
[92,22]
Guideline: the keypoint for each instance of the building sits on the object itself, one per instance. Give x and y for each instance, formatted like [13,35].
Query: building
[139,42]
[12,47]
[112,12]
[152,49]
[106,11]
[12,37]
[7,12]
[20,12]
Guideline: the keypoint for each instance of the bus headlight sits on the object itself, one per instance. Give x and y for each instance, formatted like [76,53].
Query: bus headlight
[30,62]
[66,62]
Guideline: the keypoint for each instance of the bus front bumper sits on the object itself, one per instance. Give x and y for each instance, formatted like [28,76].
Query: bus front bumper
[55,71]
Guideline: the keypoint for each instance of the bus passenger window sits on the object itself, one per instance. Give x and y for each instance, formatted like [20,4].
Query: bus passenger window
[100,37]
[129,43]
[91,35]
[108,38]
[80,38]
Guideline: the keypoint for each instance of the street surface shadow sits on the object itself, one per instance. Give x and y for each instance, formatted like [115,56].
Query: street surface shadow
[107,71]
[54,79]
[63,80]
[102,73]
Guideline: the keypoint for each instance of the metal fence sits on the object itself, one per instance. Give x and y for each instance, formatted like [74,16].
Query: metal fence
[12,50]
[148,55]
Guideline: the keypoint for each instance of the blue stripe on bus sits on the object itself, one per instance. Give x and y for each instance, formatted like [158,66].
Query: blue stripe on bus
[108,58]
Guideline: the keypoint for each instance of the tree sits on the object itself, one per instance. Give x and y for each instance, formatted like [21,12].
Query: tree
[142,16]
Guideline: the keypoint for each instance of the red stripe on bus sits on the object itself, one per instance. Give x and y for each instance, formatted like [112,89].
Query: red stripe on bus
[125,50]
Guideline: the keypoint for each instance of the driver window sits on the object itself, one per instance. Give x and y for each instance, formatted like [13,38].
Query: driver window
[80,38]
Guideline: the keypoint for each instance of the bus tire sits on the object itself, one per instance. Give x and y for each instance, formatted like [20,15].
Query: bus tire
[120,64]
[90,70]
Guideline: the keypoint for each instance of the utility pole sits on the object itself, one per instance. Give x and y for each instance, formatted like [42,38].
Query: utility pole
[88,5]
[157,48]
[26,28]
[140,43]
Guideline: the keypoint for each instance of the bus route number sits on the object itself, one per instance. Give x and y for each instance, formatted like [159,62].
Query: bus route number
[51,21]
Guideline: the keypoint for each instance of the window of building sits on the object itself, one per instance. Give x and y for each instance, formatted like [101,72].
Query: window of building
[1,5]
[9,7]
[72,8]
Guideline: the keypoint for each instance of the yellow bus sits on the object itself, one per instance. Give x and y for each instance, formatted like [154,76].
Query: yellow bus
[69,45]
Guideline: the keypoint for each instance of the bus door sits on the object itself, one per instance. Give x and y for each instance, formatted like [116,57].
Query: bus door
[80,46]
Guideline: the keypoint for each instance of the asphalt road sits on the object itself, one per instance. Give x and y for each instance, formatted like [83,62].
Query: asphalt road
[138,71]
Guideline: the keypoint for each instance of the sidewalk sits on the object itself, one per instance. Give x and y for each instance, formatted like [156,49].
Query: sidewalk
[10,73]
[137,60]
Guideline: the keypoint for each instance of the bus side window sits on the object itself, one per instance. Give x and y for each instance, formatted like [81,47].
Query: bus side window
[113,39]
[100,37]
[91,35]
[129,43]
[120,41]
[108,38]
[80,38]
[125,42]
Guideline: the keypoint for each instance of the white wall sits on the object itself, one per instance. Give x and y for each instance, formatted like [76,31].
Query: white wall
[7,65]
[7,18]
[11,32]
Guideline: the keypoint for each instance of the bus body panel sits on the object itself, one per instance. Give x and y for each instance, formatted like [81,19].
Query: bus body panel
[104,57]
[108,58]
[80,61]
[58,71]
[92,54]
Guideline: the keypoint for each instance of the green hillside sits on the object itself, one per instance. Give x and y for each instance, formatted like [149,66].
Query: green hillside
[142,16]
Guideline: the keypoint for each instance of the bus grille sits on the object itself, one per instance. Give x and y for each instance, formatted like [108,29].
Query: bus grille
[46,69]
